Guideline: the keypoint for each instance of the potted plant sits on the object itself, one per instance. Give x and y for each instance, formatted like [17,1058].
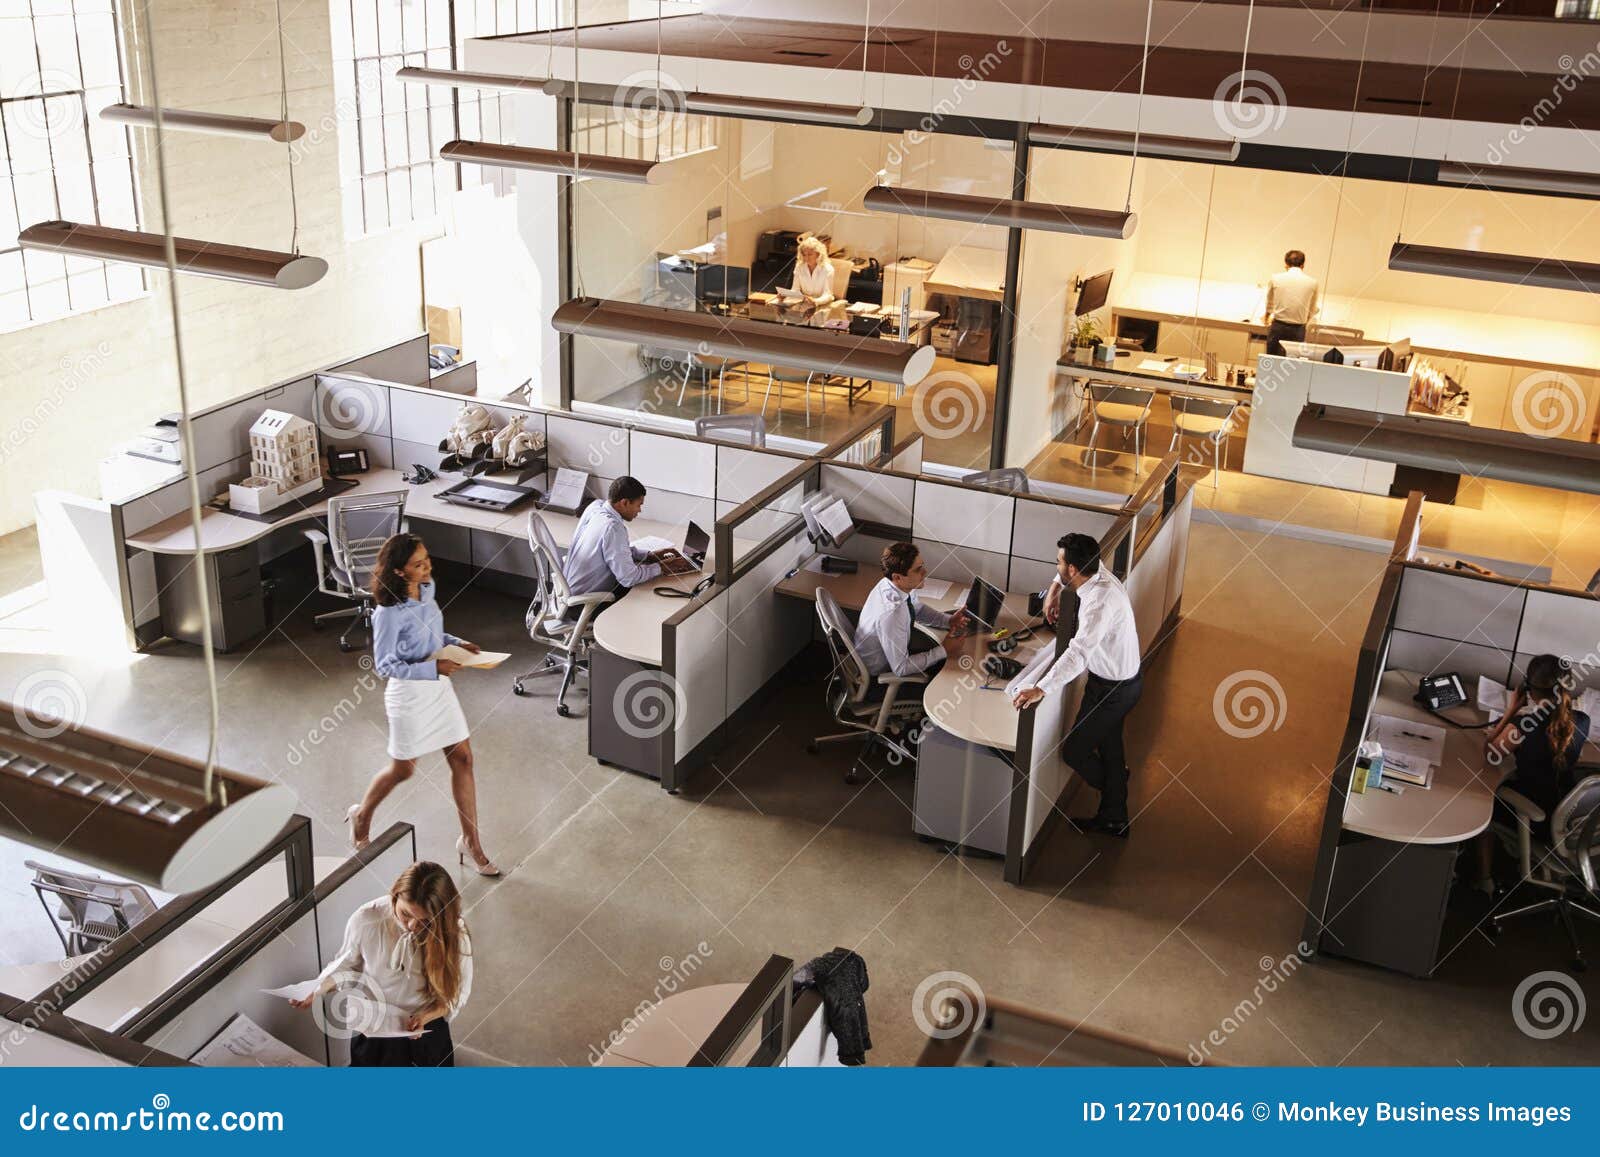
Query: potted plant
[1085,337]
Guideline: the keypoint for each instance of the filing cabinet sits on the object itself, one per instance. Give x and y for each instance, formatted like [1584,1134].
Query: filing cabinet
[238,602]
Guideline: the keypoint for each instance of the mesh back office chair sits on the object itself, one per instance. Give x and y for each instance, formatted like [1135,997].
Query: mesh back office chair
[1567,866]
[1126,407]
[92,910]
[750,429]
[706,365]
[852,693]
[801,378]
[1333,334]
[358,526]
[567,639]
[1208,418]
[1012,479]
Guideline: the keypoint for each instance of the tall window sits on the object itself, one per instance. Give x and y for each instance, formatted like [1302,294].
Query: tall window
[620,132]
[60,64]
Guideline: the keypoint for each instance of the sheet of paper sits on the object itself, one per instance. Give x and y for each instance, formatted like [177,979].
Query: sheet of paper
[1154,365]
[835,519]
[654,542]
[1493,697]
[1589,703]
[1408,743]
[294,991]
[934,589]
[375,1019]
[566,492]
[243,1043]
[483,659]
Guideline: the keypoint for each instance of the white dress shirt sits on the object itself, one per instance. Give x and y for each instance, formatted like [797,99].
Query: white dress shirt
[1106,643]
[883,633]
[601,556]
[817,283]
[389,960]
[1292,297]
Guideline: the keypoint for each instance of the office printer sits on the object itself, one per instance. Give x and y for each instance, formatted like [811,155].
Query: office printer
[159,443]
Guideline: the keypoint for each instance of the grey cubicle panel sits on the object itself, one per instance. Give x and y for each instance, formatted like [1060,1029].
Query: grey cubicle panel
[695,663]
[1457,622]
[1564,623]
[353,413]
[872,496]
[743,473]
[597,448]
[405,362]
[1155,584]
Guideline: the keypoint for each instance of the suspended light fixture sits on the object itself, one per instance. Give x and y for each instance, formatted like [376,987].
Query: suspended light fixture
[205,258]
[1510,268]
[221,124]
[1002,211]
[140,813]
[1451,447]
[505,82]
[1529,180]
[570,164]
[788,110]
[797,347]
[1105,140]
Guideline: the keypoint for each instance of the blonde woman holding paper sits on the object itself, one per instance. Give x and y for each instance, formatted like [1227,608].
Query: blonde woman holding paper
[424,713]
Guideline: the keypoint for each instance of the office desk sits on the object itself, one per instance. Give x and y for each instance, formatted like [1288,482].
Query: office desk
[1125,373]
[676,1028]
[630,628]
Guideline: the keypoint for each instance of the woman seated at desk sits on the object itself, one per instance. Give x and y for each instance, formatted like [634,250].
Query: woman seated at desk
[1545,735]
[813,274]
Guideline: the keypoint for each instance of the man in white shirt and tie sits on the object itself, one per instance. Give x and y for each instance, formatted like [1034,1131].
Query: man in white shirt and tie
[1291,302]
[885,639]
[602,558]
[1105,647]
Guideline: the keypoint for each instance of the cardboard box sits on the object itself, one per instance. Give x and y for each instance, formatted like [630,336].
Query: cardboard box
[444,325]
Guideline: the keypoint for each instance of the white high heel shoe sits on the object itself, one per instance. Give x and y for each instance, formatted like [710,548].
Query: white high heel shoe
[350,819]
[486,868]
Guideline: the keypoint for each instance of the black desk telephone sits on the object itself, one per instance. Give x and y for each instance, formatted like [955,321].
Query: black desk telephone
[1438,692]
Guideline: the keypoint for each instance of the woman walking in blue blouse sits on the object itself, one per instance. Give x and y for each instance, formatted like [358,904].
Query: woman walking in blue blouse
[424,714]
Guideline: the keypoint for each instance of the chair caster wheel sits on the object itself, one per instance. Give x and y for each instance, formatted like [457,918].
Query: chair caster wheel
[851,777]
[316,626]
[563,710]
[1579,964]
[811,749]
[518,689]
[346,647]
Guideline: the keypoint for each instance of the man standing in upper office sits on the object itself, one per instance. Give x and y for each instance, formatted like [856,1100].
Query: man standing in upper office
[602,558]
[1106,647]
[884,636]
[1291,302]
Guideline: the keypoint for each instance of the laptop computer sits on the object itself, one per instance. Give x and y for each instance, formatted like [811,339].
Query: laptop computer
[692,554]
[984,601]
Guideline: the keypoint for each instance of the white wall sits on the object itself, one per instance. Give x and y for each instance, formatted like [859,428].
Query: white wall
[76,387]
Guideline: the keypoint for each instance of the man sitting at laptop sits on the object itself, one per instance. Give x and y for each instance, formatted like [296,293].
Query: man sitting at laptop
[884,636]
[601,557]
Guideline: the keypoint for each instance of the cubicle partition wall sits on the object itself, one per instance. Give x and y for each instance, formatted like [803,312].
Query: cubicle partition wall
[1385,863]
[868,442]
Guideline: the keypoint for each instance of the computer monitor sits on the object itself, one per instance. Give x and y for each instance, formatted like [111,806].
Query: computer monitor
[1093,293]
[1365,356]
[984,602]
[722,284]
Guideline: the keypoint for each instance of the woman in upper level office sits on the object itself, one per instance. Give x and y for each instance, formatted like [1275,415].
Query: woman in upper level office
[424,713]
[813,273]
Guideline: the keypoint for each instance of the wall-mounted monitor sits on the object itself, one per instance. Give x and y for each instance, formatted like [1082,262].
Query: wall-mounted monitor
[1093,293]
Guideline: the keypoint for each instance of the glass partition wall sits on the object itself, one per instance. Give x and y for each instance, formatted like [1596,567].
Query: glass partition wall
[724,234]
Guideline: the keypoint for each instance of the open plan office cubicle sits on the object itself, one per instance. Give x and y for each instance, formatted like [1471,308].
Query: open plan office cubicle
[1386,863]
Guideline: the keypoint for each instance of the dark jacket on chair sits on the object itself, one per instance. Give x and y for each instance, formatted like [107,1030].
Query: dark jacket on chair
[841,978]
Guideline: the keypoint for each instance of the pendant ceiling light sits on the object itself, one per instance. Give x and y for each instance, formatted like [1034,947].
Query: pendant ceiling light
[1509,268]
[797,347]
[1529,180]
[791,110]
[221,124]
[1105,140]
[1451,447]
[454,78]
[570,164]
[140,813]
[206,258]
[1002,211]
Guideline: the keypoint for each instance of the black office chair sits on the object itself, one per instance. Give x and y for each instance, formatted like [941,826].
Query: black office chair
[850,692]
[1567,864]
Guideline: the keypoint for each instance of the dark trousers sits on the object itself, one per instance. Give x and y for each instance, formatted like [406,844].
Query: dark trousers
[1094,746]
[574,613]
[1281,331]
[432,1050]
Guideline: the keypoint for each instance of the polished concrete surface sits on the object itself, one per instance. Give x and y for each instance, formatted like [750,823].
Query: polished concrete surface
[612,885]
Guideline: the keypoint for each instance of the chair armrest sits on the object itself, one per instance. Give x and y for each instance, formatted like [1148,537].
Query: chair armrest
[1521,804]
[597,599]
[316,536]
[890,679]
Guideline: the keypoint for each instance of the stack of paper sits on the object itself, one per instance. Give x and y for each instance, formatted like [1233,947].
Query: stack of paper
[1411,750]
[484,659]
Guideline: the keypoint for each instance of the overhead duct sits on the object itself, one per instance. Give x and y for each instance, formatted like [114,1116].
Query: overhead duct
[1450,447]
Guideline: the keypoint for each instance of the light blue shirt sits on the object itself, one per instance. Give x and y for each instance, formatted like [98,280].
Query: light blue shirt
[883,633]
[406,634]
[601,556]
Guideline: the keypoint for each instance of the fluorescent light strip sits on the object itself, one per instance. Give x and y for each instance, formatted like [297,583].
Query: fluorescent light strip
[792,110]
[496,80]
[1150,144]
[220,124]
[795,347]
[1509,268]
[561,161]
[1451,447]
[1001,211]
[203,258]
[1531,180]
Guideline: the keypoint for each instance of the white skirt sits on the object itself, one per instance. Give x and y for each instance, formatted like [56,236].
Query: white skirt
[424,715]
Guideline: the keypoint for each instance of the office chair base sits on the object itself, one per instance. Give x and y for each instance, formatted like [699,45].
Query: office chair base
[1565,909]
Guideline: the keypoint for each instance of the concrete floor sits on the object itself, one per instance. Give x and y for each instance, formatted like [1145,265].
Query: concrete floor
[612,884]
